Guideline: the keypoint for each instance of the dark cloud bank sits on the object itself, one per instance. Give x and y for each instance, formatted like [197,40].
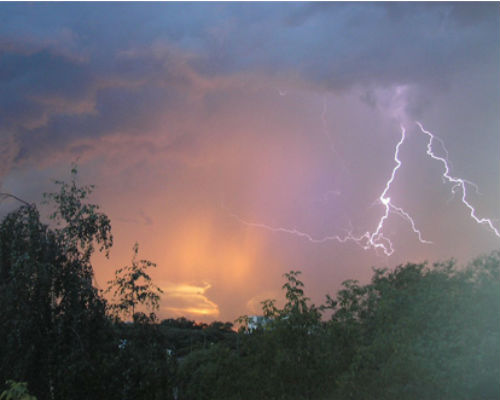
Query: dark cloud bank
[70,72]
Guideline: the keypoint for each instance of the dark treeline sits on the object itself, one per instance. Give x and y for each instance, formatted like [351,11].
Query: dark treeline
[415,332]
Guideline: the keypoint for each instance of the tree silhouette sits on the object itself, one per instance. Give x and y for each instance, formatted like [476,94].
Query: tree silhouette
[53,320]
[133,286]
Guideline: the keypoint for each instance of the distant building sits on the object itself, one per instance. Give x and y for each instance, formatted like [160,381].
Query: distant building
[256,321]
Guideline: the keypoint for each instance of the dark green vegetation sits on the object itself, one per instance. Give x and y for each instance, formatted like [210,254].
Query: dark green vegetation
[415,332]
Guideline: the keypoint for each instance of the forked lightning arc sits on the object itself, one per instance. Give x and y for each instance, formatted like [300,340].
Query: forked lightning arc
[458,183]
[376,239]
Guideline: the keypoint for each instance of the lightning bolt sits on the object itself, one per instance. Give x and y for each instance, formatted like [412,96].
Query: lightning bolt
[294,232]
[377,239]
[368,240]
[458,183]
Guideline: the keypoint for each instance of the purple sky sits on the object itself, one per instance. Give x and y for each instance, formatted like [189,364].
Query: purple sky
[223,136]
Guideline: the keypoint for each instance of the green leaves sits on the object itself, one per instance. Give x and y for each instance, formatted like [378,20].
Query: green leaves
[414,332]
[133,287]
[16,391]
[81,225]
[420,332]
[52,318]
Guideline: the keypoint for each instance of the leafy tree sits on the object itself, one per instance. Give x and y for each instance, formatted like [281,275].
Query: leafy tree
[133,287]
[144,368]
[299,349]
[53,320]
[422,332]
[16,391]
[413,332]
[214,373]
[284,359]
[54,330]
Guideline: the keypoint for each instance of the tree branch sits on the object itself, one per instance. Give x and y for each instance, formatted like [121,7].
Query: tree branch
[4,194]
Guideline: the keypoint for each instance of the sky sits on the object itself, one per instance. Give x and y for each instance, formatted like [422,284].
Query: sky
[238,141]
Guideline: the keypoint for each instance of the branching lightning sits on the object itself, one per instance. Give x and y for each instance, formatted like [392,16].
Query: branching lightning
[368,240]
[458,183]
[377,239]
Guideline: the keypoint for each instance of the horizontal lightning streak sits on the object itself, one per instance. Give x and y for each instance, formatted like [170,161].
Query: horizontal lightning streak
[293,231]
[341,239]
[457,182]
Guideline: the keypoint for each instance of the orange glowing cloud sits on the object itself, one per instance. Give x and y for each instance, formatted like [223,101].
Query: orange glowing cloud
[185,299]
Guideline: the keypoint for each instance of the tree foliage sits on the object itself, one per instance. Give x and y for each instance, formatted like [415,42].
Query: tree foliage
[411,333]
[52,314]
[16,391]
[134,287]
